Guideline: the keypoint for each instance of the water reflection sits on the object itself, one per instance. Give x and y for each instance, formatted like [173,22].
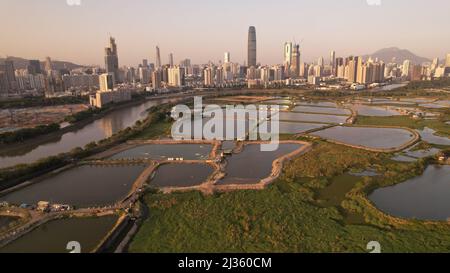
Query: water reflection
[97,130]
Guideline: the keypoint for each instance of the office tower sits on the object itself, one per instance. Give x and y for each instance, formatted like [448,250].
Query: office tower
[251,73]
[156,79]
[112,59]
[295,61]
[158,57]
[321,61]
[186,63]
[176,76]
[251,54]
[208,75]
[352,63]
[144,75]
[287,54]
[34,67]
[106,82]
[48,64]
[10,74]
[171,59]
[332,58]
[145,63]
[406,69]
[447,60]
[227,57]
[3,83]
[337,63]
[304,70]
[219,76]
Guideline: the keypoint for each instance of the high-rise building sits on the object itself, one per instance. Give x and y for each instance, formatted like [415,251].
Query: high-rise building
[171,59]
[406,69]
[251,54]
[332,58]
[158,57]
[112,59]
[227,57]
[352,63]
[321,62]
[287,54]
[106,82]
[34,67]
[3,83]
[145,63]
[447,60]
[10,74]
[144,74]
[208,75]
[48,64]
[156,79]
[176,76]
[295,61]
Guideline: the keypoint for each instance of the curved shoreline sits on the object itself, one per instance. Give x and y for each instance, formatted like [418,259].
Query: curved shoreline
[416,138]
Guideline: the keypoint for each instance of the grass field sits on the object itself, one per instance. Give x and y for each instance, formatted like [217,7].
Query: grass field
[290,216]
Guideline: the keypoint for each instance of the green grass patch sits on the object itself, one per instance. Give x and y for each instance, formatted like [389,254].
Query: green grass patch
[286,217]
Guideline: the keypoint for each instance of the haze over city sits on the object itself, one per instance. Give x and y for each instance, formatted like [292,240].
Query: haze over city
[202,30]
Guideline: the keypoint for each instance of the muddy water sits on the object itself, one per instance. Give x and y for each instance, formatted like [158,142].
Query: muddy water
[53,236]
[83,186]
[181,175]
[377,138]
[424,197]
[164,151]
[252,165]
[322,110]
[291,116]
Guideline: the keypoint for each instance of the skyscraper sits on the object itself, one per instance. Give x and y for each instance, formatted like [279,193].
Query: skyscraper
[295,61]
[48,64]
[251,61]
[106,82]
[158,57]
[226,57]
[332,58]
[112,59]
[171,59]
[34,67]
[10,73]
[176,76]
[447,60]
[287,54]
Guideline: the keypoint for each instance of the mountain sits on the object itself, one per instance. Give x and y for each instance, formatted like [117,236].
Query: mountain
[20,63]
[387,55]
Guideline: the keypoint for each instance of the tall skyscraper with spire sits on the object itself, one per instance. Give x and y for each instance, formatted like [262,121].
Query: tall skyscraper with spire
[171,59]
[251,61]
[158,57]
[112,59]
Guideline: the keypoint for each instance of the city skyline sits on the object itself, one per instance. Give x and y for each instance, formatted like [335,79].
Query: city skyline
[84,43]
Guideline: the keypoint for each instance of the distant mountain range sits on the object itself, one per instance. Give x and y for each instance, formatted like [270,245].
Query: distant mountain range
[21,63]
[395,54]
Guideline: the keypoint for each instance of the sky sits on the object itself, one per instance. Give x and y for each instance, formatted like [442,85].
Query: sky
[202,30]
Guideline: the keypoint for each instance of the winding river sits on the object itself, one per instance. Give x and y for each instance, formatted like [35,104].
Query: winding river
[97,130]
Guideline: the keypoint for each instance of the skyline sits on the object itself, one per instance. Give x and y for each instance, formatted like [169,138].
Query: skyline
[209,24]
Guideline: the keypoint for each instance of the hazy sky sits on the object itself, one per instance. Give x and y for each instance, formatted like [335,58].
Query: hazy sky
[203,30]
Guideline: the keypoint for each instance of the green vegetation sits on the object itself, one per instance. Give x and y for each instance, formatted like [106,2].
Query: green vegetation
[84,115]
[27,133]
[291,215]
[41,101]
